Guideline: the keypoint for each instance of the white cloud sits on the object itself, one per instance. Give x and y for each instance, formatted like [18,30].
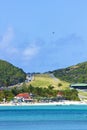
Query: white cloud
[30,51]
[6,46]
[8,51]
[40,54]
[7,38]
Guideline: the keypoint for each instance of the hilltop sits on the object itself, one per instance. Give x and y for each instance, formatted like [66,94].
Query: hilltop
[10,74]
[73,74]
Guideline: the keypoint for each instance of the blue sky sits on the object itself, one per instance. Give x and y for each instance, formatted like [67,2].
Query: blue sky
[43,35]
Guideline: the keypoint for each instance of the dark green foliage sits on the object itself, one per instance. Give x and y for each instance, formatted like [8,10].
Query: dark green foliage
[73,74]
[15,91]
[7,95]
[59,84]
[47,92]
[50,87]
[71,95]
[2,96]
[10,75]
[37,91]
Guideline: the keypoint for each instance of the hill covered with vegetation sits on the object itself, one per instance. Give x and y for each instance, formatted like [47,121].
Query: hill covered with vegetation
[10,75]
[73,74]
[45,80]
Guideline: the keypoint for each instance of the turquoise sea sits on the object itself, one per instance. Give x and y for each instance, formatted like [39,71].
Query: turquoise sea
[43,117]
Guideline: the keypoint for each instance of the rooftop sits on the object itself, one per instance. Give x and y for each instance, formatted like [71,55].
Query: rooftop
[79,84]
[23,95]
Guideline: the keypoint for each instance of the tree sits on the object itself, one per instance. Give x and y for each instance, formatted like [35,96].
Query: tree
[59,84]
[50,87]
[8,95]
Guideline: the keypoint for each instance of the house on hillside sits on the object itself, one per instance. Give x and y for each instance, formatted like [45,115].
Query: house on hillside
[29,77]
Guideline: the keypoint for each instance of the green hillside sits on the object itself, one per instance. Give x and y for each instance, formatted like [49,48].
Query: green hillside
[73,74]
[10,75]
[45,80]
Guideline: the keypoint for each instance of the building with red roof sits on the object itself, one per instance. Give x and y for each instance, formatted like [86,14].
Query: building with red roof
[60,94]
[24,97]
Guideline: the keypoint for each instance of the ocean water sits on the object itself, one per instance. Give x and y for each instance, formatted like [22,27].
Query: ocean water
[43,117]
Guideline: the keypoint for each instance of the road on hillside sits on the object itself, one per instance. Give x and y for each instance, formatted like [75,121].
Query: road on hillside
[82,97]
[52,76]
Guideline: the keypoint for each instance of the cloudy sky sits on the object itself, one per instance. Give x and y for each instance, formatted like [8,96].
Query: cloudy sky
[43,35]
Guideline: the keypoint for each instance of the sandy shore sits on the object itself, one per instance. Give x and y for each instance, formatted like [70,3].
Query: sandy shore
[46,104]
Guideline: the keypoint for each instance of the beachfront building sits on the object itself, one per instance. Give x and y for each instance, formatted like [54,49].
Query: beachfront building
[23,97]
[60,95]
[81,86]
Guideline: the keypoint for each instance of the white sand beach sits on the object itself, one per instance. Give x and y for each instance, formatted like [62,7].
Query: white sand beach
[45,104]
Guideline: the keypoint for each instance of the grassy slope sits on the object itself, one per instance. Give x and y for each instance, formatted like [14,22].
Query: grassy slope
[44,80]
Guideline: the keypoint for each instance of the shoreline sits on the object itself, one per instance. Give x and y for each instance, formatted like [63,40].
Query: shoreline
[46,104]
